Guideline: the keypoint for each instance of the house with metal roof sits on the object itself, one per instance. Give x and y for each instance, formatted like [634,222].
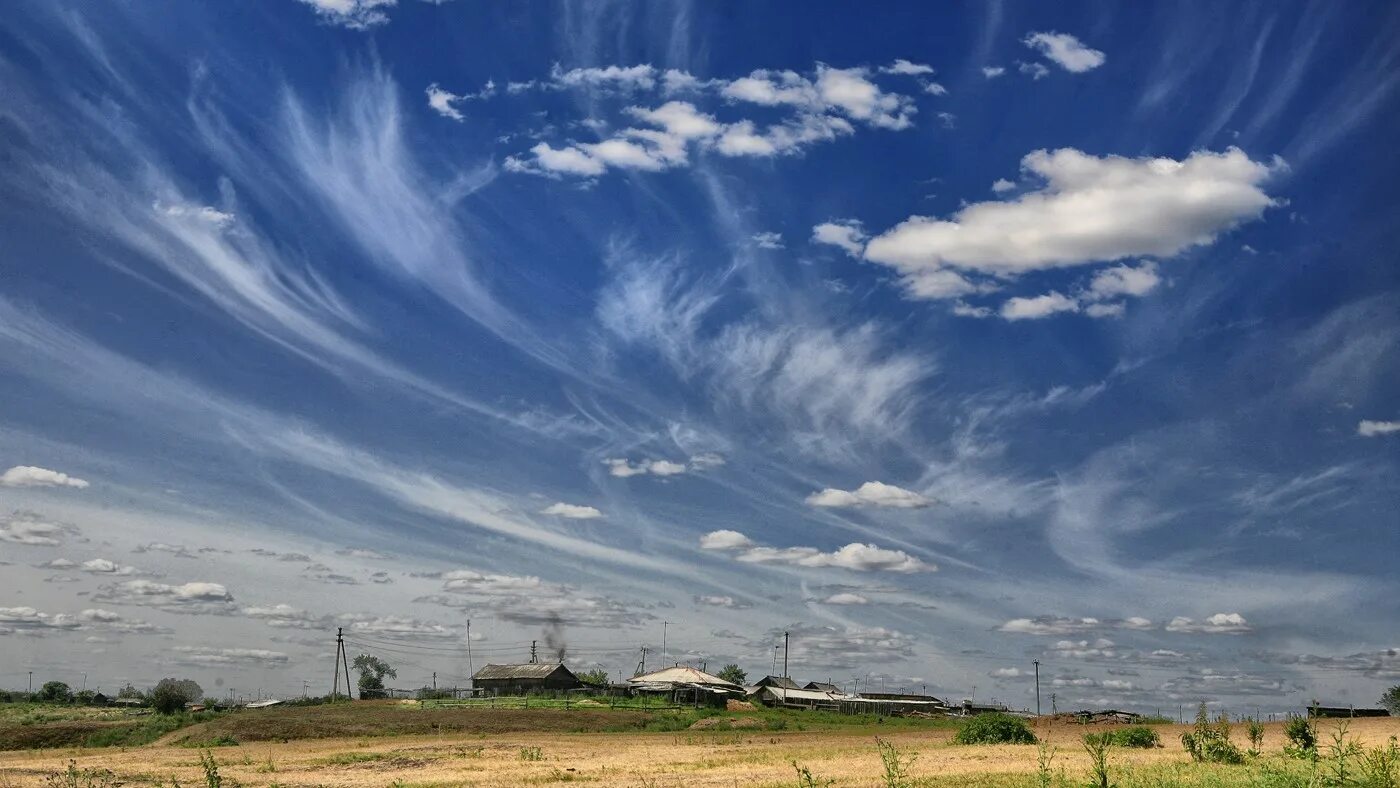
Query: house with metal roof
[530,677]
[685,683]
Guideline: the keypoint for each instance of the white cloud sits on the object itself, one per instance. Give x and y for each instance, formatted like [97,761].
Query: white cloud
[1002,185]
[30,476]
[227,657]
[847,234]
[32,530]
[725,540]
[102,566]
[197,597]
[1123,280]
[902,66]
[572,511]
[27,618]
[992,72]
[852,93]
[855,556]
[1370,429]
[876,494]
[964,309]
[720,601]
[846,598]
[1066,50]
[442,100]
[768,240]
[936,89]
[1038,307]
[1105,310]
[1089,209]
[569,161]
[1050,625]
[1033,70]
[354,14]
[1220,623]
[1006,673]
[639,77]
[624,468]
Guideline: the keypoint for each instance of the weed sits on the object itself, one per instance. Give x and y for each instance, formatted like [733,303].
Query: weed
[1302,737]
[806,780]
[73,777]
[531,754]
[1256,738]
[1044,758]
[211,770]
[895,764]
[1097,747]
[1380,767]
[1211,743]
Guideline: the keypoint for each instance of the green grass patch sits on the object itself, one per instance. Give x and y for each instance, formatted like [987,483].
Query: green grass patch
[1136,736]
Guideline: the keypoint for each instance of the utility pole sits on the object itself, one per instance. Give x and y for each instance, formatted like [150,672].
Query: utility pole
[664,657]
[642,664]
[1037,686]
[785,655]
[1053,710]
[84,689]
[31,683]
[335,684]
[774,671]
[435,681]
[973,697]
[533,656]
[470,672]
[304,686]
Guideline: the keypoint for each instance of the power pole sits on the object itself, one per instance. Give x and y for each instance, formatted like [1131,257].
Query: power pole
[304,685]
[1053,709]
[435,681]
[785,655]
[335,684]
[775,660]
[642,664]
[31,683]
[533,656]
[1037,687]
[470,672]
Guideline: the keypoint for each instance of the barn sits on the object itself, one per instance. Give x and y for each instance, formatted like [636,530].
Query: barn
[531,677]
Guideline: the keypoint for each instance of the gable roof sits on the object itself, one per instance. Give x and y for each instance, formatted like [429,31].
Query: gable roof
[682,674]
[822,687]
[529,670]
[777,681]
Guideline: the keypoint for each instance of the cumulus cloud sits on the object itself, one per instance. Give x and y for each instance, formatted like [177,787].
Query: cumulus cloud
[847,234]
[33,530]
[846,598]
[623,468]
[1124,280]
[102,566]
[902,66]
[855,556]
[203,656]
[571,511]
[876,494]
[992,72]
[354,14]
[1218,624]
[819,108]
[1089,209]
[1065,50]
[31,476]
[202,598]
[1002,185]
[1033,70]
[14,619]
[444,102]
[1371,429]
[1036,307]
[1061,625]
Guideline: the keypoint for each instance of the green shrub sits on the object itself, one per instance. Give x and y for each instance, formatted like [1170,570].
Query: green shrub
[1302,737]
[1136,736]
[995,728]
[1211,743]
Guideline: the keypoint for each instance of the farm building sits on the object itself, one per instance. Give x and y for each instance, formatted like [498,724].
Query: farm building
[524,679]
[1345,712]
[821,686]
[782,682]
[687,685]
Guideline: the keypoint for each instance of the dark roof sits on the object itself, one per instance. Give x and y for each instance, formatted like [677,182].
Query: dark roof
[822,686]
[529,670]
[777,681]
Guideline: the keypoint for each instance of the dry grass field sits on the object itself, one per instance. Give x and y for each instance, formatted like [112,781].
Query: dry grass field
[500,748]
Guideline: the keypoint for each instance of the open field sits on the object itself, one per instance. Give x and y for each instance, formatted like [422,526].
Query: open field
[482,747]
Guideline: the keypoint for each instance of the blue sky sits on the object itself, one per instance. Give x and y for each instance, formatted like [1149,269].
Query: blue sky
[943,338]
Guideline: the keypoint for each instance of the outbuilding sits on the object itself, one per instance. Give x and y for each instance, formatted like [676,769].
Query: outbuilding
[531,677]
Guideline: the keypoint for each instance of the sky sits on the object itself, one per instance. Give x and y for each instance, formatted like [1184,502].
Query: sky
[945,338]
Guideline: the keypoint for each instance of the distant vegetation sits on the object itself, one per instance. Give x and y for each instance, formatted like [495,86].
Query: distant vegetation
[734,673]
[995,728]
[1136,736]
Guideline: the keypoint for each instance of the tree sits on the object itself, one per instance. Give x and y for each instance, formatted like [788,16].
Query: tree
[1391,700]
[597,677]
[733,673]
[170,695]
[55,692]
[130,692]
[372,671]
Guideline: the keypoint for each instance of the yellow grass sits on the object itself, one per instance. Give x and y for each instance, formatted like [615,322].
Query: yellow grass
[688,758]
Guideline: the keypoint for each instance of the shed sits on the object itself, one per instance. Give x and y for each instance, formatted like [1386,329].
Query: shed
[782,682]
[821,686]
[524,679]
[687,684]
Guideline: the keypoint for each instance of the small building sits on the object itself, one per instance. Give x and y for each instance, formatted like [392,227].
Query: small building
[687,685]
[821,686]
[781,682]
[1345,712]
[531,677]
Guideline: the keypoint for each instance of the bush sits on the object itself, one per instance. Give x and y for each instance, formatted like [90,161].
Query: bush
[1211,743]
[1136,736]
[55,692]
[1302,737]
[995,728]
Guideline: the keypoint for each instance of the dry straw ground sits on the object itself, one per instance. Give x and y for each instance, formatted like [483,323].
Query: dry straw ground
[491,753]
